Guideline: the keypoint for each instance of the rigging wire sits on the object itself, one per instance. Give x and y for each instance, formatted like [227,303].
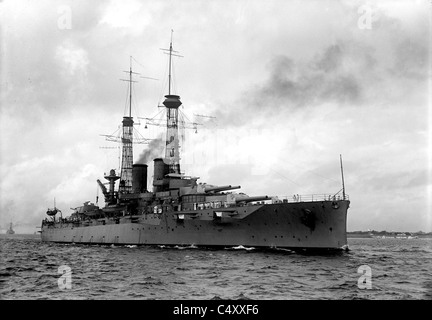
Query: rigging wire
[182,128]
[173,80]
[127,99]
[286,178]
[183,114]
[309,171]
[164,82]
[117,132]
[162,111]
[134,91]
[134,104]
[138,62]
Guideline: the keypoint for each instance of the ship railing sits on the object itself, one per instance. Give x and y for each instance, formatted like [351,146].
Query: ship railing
[284,199]
[313,198]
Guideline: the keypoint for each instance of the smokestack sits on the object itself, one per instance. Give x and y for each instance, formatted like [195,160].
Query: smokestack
[160,170]
[139,178]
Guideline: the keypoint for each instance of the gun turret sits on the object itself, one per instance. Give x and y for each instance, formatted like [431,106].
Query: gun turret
[221,188]
[250,199]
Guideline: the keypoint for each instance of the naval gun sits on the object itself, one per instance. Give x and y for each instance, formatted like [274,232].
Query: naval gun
[251,199]
[220,188]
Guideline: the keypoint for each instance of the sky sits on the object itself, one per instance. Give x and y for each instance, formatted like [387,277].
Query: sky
[290,86]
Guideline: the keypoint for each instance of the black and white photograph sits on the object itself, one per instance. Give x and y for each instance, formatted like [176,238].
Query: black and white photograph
[215,154]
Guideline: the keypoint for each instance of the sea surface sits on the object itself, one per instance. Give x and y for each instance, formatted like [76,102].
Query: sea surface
[372,269]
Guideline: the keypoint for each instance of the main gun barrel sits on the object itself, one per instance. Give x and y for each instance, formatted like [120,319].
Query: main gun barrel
[250,199]
[221,188]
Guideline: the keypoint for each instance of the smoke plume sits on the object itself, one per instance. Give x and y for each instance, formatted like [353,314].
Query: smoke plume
[328,77]
[154,150]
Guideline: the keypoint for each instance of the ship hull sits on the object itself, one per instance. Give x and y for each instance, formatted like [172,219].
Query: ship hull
[310,225]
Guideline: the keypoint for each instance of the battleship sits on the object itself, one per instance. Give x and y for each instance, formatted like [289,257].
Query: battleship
[177,210]
[10,230]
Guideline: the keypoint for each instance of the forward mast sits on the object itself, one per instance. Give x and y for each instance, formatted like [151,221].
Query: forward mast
[172,103]
[125,185]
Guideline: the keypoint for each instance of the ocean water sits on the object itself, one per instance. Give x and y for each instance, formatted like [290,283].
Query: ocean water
[373,269]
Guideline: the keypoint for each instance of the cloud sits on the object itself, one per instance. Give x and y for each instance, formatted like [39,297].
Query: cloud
[412,59]
[76,185]
[130,15]
[396,182]
[382,66]
[73,60]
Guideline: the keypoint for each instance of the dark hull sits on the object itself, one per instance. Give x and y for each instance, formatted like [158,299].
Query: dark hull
[314,225]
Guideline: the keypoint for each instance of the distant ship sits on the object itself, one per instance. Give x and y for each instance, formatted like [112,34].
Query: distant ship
[393,236]
[181,211]
[10,230]
[405,236]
